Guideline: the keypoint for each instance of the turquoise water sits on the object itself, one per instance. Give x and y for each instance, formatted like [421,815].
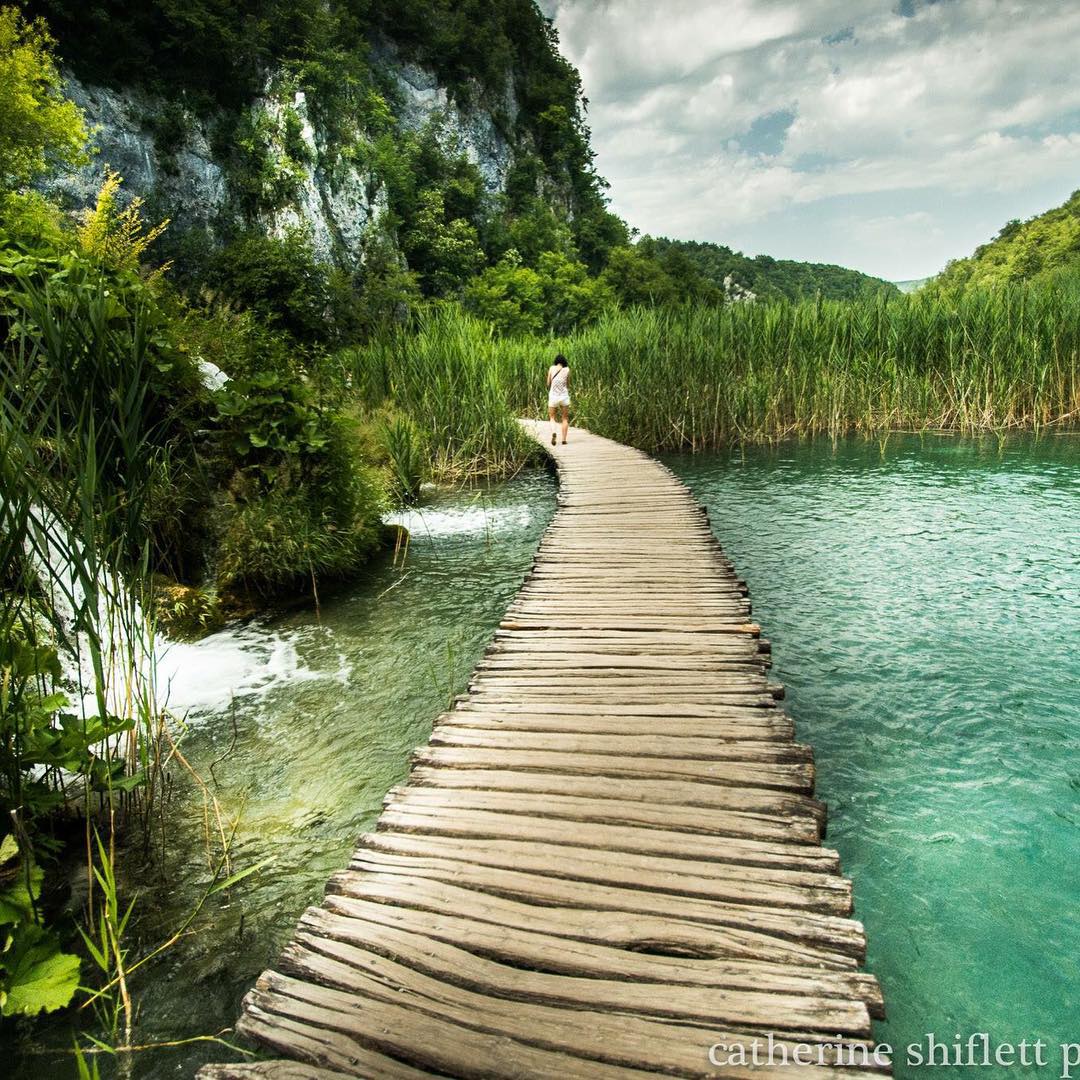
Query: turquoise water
[923,599]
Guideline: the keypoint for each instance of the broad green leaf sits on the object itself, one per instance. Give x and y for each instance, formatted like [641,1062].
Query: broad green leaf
[129,783]
[38,976]
[17,898]
[9,848]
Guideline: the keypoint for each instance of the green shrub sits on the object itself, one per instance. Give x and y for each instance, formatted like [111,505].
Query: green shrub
[266,415]
[406,456]
[288,535]
[444,251]
[286,287]
[186,612]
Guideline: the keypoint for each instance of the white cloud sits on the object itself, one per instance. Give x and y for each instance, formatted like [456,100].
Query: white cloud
[964,97]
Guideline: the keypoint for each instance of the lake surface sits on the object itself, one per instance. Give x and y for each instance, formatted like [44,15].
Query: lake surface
[923,600]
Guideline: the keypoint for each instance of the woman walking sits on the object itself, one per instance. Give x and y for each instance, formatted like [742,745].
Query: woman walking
[558,381]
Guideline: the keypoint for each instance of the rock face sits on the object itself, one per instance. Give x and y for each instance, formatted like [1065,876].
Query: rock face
[422,101]
[333,199]
[334,196]
[190,180]
[734,293]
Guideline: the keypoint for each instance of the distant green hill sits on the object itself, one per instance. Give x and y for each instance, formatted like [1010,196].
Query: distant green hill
[702,267]
[1045,244]
[911,284]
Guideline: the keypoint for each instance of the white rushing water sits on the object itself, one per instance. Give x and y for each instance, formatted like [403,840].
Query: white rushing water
[473,520]
[240,661]
[189,678]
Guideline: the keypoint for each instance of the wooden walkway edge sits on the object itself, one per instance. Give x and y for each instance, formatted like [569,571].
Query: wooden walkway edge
[607,859]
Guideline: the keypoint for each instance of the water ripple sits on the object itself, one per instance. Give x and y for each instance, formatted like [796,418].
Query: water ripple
[923,605]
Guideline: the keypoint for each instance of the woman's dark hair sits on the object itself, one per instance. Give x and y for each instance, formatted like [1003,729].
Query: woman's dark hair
[561,360]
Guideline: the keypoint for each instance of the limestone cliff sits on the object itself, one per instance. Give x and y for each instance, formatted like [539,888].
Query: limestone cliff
[334,193]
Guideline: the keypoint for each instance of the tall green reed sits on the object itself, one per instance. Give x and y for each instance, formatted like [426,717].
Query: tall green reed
[452,378]
[83,444]
[695,377]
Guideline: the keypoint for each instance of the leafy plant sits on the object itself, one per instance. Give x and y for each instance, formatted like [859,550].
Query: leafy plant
[267,414]
[187,612]
[406,456]
[39,128]
[114,235]
[105,941]
[285,286]
[36,975]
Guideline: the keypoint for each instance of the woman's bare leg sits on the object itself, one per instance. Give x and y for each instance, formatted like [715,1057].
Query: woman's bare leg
[554,422]
[565,421]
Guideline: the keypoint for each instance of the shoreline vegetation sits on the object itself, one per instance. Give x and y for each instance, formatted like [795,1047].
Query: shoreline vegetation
[181,443]
[696,378]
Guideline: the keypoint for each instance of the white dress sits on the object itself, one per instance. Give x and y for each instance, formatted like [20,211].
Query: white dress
[559,391]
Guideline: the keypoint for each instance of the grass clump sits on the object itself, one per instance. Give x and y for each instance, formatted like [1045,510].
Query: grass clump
[460,385]
[406,457]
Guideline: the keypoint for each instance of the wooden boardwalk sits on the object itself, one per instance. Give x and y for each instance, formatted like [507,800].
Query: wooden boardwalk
[607,859]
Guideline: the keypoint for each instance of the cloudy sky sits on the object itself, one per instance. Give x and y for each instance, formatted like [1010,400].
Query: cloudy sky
[889,136]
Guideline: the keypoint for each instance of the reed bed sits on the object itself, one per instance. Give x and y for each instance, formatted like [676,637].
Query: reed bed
[697,377]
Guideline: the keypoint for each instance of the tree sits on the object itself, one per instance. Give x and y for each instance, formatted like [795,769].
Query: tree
[285,285]
[571,297]
[39,129]
[638,279]
[508,295]
[445,254]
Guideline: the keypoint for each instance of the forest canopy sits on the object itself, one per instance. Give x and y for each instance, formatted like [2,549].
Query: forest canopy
[1044,245]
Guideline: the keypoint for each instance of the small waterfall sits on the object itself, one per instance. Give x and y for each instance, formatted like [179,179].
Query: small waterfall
[105,643]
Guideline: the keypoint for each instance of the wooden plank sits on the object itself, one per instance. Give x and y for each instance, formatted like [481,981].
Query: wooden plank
[607,857]
[731,847]
[829,932]
[620,684]
[745,748]
[637,931]
[316,986]
[274,1070]
[538,696]
[792,777]
[672,635]
[622,812]
[731,883]
[622,660]
[365,947]
[658,792]
[772,725]
[662,710]
[628,622]
[540,949]
[286,1013]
